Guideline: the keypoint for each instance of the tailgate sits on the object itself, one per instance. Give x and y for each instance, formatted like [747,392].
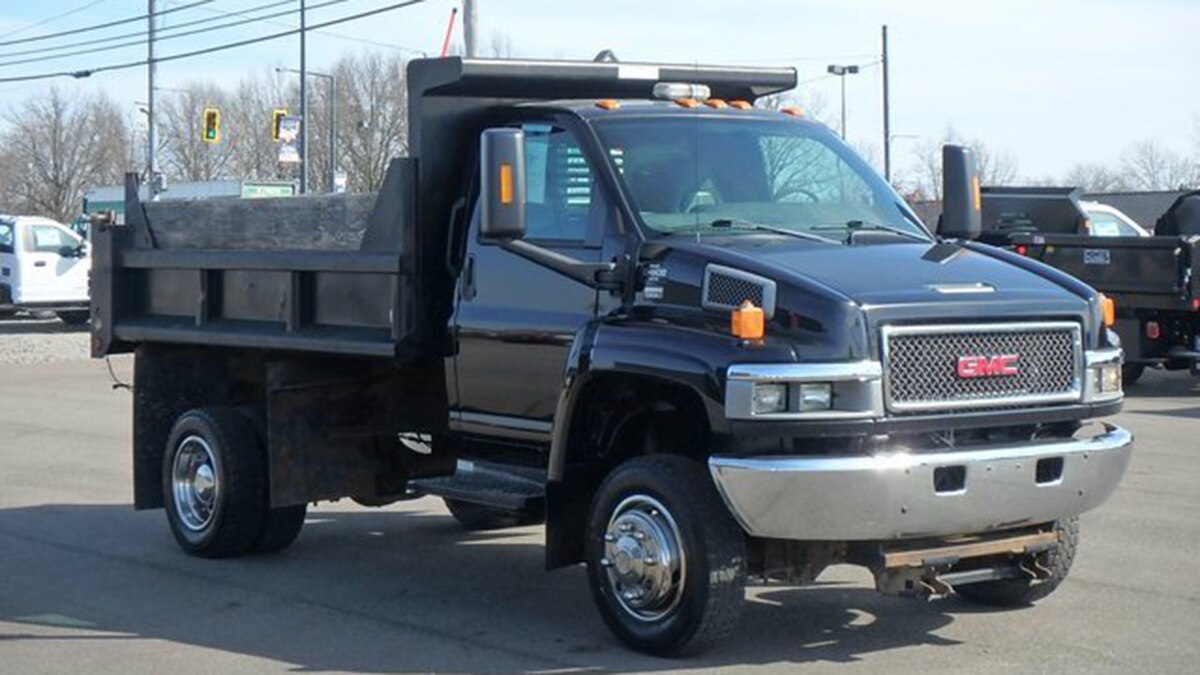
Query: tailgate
[1143,265]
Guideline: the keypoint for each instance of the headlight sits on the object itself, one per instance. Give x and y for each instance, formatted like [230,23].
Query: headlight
[816,396]
[769,397]
[1108,378]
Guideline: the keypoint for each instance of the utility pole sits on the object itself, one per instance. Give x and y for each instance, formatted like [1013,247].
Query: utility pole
[470,29]
[303,105]
[887,120]
[842,72]
[151,136]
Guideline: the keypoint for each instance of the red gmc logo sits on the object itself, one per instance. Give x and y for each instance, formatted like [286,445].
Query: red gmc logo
[1001,365]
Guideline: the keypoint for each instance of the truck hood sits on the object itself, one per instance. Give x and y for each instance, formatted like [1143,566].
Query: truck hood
[826,291]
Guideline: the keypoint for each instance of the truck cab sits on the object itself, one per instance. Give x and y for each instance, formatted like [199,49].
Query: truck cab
[43,267]
[699,339]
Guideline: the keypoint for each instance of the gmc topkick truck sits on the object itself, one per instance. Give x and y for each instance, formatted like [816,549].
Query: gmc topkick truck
[702,340]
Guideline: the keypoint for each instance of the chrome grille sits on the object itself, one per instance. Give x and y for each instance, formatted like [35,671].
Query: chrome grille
[922,366]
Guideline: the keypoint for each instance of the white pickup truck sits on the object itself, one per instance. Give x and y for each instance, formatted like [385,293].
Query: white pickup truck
[44,266]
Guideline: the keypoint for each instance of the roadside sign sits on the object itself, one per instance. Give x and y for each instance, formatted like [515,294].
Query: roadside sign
[289,138]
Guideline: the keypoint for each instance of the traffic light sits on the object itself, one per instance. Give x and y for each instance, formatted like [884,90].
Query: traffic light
[277,116]
[212,125]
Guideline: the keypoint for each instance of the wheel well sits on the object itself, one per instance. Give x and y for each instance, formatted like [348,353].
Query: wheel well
[617,417]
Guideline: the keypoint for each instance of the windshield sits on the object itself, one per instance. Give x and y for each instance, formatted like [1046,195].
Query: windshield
[687,174]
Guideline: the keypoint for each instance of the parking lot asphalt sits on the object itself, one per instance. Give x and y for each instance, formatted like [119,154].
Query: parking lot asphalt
[89,585]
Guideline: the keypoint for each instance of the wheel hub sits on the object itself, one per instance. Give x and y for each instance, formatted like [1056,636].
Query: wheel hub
[643,558]
[194,483]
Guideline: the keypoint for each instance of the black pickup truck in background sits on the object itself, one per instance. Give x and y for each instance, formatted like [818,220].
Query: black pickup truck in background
[1150,279]
[701,340]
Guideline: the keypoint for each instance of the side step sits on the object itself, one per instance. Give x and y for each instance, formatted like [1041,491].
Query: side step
[488,485]
[928,569]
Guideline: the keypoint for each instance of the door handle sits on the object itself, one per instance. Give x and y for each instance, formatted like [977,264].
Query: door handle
[40,263]
[468,278]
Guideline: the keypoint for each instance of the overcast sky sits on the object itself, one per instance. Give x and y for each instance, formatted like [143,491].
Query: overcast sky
[1051,82]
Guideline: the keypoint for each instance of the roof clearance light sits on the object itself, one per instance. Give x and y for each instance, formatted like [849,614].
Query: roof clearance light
[793,110]
[674,91]
[608,104]
[740,105]
[687,102]
[716,103]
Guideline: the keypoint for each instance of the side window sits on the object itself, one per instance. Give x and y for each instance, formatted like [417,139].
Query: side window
[558,181]
[49,239]
[6,238]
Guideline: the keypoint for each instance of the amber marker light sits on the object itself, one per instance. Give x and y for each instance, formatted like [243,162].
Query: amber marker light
[748,322]
[793,110]
[740,105]
[506,183]
[1109,309]
[608,104]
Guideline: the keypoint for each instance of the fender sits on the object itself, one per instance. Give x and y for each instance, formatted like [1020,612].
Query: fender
[694,357]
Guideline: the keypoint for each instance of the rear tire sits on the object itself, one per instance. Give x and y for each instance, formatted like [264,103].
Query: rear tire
[1132,372]
[666,562]
[477,517]
[79,318]
[280,528]
[214,483]
[1022,592]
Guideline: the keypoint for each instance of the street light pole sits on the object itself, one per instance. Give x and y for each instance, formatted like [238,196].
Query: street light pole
[887,114]
[842,72]
[333,147]
[470,29]
[303,105]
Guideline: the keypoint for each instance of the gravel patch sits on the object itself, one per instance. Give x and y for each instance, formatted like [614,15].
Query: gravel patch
[34,339]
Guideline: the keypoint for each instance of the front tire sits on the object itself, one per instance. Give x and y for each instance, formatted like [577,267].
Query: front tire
[666,562]
[1022,592]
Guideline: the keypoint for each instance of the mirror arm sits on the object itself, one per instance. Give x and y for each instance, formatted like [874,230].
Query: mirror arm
[603,276]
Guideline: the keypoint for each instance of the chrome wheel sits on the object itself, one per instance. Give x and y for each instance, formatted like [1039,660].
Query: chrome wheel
[643,558]
[194,483]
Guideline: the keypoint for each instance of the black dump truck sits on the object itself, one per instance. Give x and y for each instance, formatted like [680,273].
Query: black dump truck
[1150,279]
[702,341]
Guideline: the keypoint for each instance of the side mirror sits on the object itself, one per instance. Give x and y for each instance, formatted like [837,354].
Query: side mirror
[502,182]
[962,202]
[70,252]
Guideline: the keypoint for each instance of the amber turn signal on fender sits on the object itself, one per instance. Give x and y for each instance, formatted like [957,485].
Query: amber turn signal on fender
[1109,309]
[747,322]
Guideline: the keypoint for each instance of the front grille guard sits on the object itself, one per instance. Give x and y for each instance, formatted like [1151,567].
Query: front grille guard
[1067,387]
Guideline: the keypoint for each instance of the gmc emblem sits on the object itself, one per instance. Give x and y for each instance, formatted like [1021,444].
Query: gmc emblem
[1001,365]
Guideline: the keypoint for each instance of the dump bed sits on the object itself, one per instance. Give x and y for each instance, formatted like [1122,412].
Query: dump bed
[328,274]
[1145,272]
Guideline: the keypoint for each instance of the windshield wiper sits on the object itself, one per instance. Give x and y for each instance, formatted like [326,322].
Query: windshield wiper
[853,226]
[748,224]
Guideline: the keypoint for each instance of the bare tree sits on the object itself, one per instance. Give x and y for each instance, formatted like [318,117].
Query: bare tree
[186,156]
[1149,166]
[995,167]
[249,110]
[56,148]
[500,46]
[372,120]
[1096,178]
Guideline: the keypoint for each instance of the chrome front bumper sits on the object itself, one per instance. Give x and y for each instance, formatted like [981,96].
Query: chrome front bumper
[893,495]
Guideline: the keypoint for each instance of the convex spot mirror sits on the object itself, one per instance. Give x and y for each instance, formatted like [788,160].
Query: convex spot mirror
[502,184]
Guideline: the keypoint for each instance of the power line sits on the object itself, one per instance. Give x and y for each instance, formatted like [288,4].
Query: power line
[208,50]
[100,26]
[137,43]
[54,18]
[144,33]
[339,36]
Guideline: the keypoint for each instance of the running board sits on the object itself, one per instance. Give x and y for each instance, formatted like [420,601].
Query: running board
[486,485]
[928,569]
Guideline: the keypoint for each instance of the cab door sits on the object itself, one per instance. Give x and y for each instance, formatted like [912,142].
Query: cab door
[53,267]
[515,320]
